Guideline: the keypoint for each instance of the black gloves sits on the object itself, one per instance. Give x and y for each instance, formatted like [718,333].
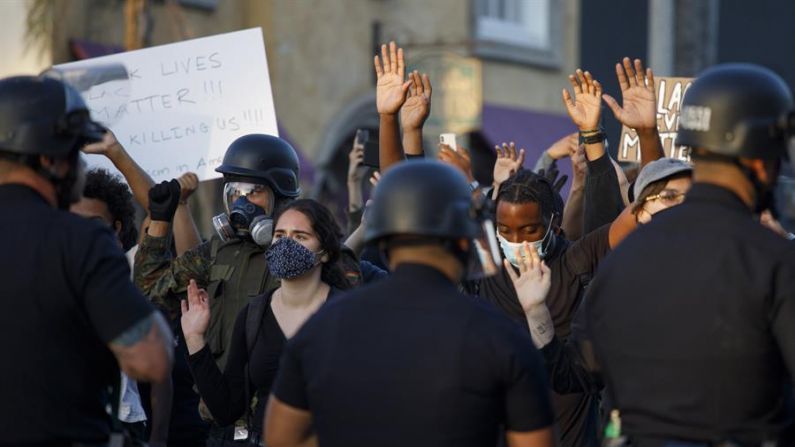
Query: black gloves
[163,200]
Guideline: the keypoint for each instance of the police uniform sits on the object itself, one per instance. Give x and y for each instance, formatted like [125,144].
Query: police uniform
[409,360]
[66,292]
[692,317]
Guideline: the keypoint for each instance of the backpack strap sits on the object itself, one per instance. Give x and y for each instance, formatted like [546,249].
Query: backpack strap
[256,312]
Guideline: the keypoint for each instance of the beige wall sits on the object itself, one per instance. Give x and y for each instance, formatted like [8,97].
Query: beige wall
[18,57]
[319,51]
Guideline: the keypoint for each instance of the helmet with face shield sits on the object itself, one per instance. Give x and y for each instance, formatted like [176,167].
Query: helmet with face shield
[42,116]
[259,172]
[422,202]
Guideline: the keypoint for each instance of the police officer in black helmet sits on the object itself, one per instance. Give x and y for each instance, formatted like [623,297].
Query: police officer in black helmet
[409,360]
[260,172]
[692,318]
[70,312]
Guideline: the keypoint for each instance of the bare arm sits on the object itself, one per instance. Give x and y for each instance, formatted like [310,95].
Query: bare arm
[624,224]
[390,93]
[286,426]
[415,111]
[145,351]
[186,235]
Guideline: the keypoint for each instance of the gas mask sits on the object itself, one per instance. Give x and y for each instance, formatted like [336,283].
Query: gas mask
[243,218]
[542,245]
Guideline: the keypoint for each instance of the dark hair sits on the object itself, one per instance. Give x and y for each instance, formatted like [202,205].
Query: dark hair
[528,187]
[115,194]
[656,187]
[328,232]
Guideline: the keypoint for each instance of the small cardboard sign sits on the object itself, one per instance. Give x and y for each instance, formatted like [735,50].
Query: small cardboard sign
[670,92]
[177,107]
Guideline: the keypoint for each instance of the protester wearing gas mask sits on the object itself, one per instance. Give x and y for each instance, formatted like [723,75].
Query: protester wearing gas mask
[303,255]
[260,174]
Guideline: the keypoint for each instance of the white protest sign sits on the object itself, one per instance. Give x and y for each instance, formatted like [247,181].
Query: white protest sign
[180,105]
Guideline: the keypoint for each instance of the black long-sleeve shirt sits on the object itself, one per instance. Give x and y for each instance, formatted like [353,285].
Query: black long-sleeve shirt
[225,393]
[602,194]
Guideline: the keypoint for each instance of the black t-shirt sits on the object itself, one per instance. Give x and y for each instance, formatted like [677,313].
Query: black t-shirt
[410,361]
[693,322]
[225,393]
[66,293]
[572,265]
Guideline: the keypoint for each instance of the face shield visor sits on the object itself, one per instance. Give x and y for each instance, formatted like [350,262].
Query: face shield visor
[484,253]
[249,207]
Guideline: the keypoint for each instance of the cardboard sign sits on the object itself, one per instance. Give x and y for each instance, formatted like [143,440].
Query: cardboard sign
[670,92]
[176,107]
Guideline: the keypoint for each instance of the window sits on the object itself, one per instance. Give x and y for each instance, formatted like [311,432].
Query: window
[209,5]
[527,31]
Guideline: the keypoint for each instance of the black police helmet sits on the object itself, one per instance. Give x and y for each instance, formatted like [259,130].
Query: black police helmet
[43,116]
[259,158]
[737,110]
[421,198]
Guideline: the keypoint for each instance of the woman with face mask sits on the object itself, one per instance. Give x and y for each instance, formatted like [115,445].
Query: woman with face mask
[303,255]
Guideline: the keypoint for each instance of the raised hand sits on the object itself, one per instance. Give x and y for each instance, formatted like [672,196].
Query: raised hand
[563,147]
[459,159]
[637,91]
[355,160]
[417,107]
[188,183]
[508,162]
[375,178]
[532,284]
[163,200]
[108,144]
[585,108]
[390,89]
[195,316]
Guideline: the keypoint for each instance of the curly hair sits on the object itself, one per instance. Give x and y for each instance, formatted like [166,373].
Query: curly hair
[526,186]
[111,190]
[328,233]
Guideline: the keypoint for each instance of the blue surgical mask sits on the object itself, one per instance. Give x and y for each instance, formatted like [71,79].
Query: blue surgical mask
[509,248]
[288,259]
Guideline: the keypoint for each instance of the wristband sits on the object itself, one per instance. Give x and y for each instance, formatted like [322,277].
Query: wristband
[593,138]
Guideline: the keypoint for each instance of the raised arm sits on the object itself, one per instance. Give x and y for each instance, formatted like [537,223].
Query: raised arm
[186,235]
[585,109]
[390,94]
[414,113]
[508,162]
[639,111]
[136,177]
[573,211]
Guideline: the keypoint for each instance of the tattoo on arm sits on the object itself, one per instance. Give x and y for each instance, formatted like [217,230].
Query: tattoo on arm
[135,333]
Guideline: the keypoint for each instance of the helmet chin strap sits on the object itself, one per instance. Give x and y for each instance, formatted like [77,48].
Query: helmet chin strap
[764,193]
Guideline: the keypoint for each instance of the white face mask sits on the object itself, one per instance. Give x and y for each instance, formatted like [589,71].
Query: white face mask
[509,248]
